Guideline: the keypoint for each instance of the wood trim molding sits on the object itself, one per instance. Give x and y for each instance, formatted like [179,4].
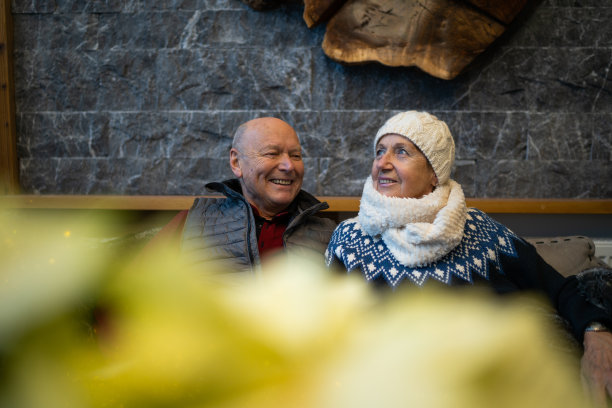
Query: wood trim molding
[336,203]
[9,169]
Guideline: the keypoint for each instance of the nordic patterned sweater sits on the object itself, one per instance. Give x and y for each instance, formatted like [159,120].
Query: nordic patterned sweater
[488,252]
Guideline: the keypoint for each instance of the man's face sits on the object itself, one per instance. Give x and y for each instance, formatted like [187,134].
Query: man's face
[269,164]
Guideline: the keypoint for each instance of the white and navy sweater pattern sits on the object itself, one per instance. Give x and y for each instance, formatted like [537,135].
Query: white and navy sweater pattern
[483,241]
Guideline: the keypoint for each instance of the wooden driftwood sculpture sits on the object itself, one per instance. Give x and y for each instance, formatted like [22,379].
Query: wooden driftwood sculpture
[318,11]
[441,37]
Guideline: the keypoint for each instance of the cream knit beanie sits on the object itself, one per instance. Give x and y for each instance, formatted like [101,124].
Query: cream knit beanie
[429,134]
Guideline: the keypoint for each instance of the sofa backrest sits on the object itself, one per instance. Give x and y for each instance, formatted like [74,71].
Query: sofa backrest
[568,255]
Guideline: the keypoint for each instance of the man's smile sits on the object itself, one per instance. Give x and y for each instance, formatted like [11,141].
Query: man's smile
[282,182]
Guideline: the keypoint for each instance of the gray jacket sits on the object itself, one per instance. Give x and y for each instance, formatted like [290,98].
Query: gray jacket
[223,229]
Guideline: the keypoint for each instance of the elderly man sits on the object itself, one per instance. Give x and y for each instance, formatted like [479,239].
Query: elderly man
[264,208]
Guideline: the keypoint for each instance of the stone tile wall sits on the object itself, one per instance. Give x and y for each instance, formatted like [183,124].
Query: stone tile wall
[143,96]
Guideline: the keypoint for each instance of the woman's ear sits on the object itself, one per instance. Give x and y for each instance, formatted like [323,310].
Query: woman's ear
[434,181]
[235,163]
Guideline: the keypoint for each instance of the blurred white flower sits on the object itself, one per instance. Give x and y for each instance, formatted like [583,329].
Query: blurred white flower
[83,327]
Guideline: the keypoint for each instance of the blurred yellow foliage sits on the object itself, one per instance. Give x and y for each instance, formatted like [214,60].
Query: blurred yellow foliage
[92,329]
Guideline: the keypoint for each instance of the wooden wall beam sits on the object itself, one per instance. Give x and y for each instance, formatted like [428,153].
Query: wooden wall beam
[338,204]
[9,169]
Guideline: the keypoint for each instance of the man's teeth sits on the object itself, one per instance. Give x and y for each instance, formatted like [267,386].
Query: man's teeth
[283,182]
[385,181]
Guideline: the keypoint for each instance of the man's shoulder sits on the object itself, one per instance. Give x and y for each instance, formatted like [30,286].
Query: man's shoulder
[202,203]
[206,207]
[305,200]
[322,222]
[225,191]
[207,201]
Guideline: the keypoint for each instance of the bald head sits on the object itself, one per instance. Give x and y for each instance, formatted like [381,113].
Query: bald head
[255,128]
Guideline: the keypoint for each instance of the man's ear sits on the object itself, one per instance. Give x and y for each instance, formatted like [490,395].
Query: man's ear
[235,163]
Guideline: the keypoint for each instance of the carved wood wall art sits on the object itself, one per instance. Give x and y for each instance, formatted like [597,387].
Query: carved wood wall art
[318,11]
[441,37]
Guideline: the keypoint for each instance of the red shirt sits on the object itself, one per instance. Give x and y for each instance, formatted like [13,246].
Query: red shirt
[270,232]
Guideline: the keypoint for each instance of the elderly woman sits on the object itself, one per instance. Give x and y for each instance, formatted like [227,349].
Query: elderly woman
[413,226]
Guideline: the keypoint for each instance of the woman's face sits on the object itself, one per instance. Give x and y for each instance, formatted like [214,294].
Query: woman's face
[400,169]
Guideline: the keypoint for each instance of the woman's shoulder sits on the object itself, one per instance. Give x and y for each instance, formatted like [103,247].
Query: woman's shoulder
[349,232]
[350,224]
[475,212]
[476,216]
[481,226]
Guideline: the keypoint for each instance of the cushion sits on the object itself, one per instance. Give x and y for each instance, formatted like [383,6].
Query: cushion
[568,255]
